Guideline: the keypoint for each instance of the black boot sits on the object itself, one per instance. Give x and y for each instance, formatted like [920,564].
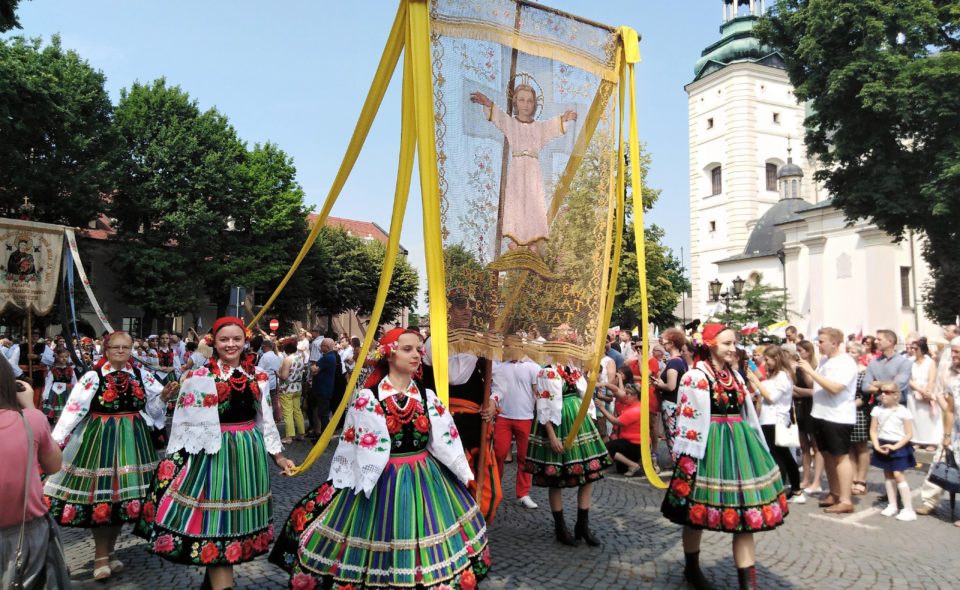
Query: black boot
[582,528]
[206,581]
[747,576]
[561,530]
[692,573]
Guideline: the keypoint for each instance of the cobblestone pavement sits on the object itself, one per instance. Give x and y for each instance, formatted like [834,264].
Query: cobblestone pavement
[640,549]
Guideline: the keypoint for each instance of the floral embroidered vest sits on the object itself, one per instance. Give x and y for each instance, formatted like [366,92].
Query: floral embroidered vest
[119,392]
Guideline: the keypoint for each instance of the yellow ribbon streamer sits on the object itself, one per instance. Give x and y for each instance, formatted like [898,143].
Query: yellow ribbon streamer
[378,88]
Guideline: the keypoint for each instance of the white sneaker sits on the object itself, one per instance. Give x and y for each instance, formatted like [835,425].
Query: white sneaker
[526,502]
[890,510]
[798,499]
[907,515]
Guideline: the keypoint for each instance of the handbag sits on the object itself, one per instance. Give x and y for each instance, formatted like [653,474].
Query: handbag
[13,579]
[945,473]
[787,435]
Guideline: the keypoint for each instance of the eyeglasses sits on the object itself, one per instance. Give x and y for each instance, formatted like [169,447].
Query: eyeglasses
[119,348]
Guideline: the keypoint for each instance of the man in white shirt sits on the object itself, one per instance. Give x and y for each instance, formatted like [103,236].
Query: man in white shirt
[346,354]
[270,363]
[514,388]
[834,414]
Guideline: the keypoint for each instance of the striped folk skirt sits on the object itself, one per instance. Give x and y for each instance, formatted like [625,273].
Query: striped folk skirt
[212,509]
[735,488]
[420,528]
[582,463]
[107,469]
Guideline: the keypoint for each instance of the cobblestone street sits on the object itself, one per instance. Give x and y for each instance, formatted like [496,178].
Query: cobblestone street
[640,549]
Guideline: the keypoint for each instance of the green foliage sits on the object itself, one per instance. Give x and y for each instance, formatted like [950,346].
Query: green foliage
[57,145]
[665,280]
[342,271]
[882,80]
[8,15]
[758,303]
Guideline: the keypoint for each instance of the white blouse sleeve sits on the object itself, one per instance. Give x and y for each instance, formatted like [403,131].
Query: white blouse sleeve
[47,386]
[155,412]
[364,447]
[445,443]
[265,421]
[549,396]
[78,404]
[196,419]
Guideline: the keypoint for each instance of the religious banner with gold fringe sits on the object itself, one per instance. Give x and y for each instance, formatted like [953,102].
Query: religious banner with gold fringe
[31,265]
[510,110]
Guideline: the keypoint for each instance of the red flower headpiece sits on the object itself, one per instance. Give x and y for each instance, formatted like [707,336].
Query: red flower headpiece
[227,321]
[388,344]
[710,332]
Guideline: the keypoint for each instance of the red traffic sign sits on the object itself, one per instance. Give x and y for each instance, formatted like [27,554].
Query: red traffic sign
[274,324]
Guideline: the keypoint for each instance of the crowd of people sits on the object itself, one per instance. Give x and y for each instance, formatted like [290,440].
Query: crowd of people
[175,437]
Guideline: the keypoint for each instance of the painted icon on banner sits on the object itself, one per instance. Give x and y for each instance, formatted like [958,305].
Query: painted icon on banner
[33,252]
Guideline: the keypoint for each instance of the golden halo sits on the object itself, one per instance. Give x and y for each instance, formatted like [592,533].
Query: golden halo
[529,80]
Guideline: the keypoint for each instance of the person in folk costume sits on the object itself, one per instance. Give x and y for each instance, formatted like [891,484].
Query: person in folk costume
[210,504]
[559,393]
[168,361]
[59,382]
[725,478]
[109,460]
[467,376]
[396,511]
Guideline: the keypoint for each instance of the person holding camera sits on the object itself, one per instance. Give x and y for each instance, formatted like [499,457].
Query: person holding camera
[28,449]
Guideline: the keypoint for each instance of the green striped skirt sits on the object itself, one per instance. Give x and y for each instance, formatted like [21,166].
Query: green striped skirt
[735,488]
[107,470]
[582,463]
[212,509]
[419,528]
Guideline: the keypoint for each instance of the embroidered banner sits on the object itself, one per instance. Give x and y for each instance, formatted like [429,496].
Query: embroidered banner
[31,257]
[75,254]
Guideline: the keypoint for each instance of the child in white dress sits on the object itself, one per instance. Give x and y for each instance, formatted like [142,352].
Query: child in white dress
[891,428]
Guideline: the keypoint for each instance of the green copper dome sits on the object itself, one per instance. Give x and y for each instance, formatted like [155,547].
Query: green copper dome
[738,44]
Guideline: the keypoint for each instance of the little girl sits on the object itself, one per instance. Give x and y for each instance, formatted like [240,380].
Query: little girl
[524,203]
[891,428]
[59,382]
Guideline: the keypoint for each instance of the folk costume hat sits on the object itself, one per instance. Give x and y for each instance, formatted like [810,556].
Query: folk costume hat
[710,333]
[388,344]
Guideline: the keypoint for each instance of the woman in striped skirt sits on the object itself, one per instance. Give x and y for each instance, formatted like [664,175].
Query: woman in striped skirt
[725,478]
[211,504]
[396,512]
[559,390]
[109,460]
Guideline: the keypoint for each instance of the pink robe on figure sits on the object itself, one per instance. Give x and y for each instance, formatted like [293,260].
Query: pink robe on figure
[524,203]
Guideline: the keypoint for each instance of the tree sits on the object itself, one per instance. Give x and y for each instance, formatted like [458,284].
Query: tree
[404,285]
[665,280]
[58,146]
[182,178]
[758,303]
[882,81]
[8,15]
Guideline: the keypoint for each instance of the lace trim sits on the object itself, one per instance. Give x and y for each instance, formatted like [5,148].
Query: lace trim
[194,502]
[103,471]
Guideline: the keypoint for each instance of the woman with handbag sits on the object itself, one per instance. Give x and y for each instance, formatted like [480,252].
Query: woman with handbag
[951,425]
[27,534]
[776,394]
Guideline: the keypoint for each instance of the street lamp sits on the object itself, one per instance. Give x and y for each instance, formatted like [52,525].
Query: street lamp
[715,290]
[738,286]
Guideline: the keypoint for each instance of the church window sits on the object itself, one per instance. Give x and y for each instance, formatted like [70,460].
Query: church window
[710,123]
[713,226]
[776,118]
[715,181]
[771,177]
[905,285]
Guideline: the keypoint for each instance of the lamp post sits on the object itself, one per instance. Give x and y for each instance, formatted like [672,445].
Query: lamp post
[734,291]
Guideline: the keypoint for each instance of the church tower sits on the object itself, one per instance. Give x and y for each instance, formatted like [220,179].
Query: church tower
[742,114]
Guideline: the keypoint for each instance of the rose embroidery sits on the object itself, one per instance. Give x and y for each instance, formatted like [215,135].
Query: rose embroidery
[753,518]
[713,518]
[101,513]
[166,469]
[687,465]
[349,435]
[698,514]
[680,487]
[69,512]
[692,435]
[148,512]
[454,433]
[163,544]
[188,400]
[368,440]
[234,552]
[210,401]
[133,508]
[730,519]
[361,403]
[303,582]
[687,412]
[393,424]
[209,553]
[422,424]
[468,581]
[298,518]
[73,407]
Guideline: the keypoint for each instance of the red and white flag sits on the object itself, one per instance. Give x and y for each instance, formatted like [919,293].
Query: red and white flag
[751,328]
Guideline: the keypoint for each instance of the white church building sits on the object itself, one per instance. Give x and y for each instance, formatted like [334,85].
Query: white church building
[755,210]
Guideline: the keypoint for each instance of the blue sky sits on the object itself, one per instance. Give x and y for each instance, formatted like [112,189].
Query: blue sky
[296,73]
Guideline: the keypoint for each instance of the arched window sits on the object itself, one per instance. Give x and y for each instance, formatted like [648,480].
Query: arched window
[771,177]
[716,183]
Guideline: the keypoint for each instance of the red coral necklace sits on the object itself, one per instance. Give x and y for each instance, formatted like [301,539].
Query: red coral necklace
[402,413]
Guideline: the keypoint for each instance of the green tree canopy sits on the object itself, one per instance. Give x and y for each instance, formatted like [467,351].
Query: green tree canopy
[665,280]
[57,145]
[758,303]
[8,15]
[883,82]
